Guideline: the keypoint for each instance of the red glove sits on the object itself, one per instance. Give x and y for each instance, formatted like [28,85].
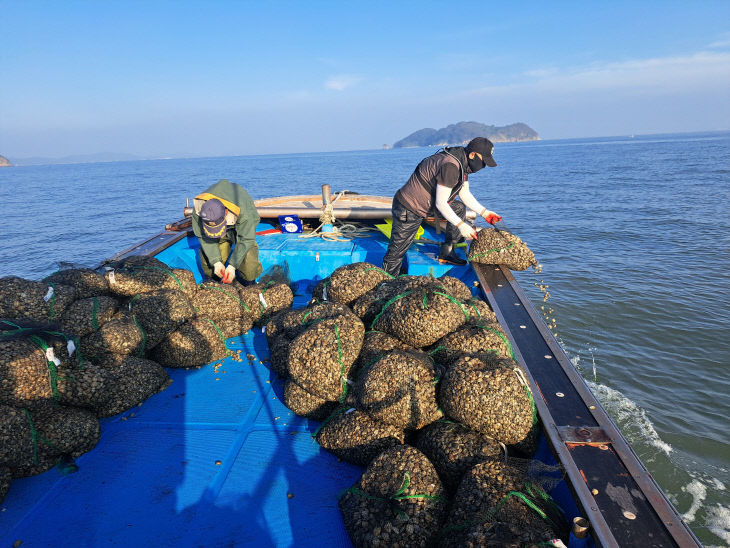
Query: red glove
[229,274]
[492,218]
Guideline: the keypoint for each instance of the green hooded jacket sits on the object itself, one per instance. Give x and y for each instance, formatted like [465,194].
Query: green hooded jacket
[241,221]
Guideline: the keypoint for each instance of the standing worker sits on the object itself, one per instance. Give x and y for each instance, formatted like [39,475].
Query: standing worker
[225,216]
[434,186]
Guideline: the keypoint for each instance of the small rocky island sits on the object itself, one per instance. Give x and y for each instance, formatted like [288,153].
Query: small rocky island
[4,162]
[463,132]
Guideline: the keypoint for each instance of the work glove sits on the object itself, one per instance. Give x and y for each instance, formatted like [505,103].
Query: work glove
[491,217]
[229,275]
[467,231]
[219,269]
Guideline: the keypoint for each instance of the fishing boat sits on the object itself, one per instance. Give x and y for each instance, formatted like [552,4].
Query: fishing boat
[216,459]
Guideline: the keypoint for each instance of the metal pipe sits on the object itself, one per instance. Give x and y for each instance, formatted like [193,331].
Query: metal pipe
[326,195]
[314,213]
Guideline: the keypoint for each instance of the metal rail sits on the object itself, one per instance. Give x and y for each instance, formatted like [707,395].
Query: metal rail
[614,490]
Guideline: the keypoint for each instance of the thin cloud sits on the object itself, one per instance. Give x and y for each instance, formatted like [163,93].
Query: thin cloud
[341,82]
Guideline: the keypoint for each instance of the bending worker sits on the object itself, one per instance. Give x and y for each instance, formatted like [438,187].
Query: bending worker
[435,184]
[225,216]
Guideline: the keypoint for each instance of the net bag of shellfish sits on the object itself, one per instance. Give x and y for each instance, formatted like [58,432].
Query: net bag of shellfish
[454,448]
[398,501]
[160,312]
[33,439]
[87,315]
[472,339]
[134,380]
[375,345]
[321,358]
[496,504]
[355,437]
[479,311]
[399,389]
[267,299]
[500,247]
[490,395]
[123,334]
[27,300]
[86,282]
[348,282]
[5,480]
[141,274]
[302,403]
[235,326]
[193,344]
[219,301]
[421,316]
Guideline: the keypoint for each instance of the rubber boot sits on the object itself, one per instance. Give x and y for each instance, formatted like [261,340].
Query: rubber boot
[449,256]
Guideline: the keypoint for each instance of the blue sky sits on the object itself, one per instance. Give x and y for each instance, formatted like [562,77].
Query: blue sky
[223,77]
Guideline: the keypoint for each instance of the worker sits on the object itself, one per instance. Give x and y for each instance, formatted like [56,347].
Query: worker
[434,186]
[225,217]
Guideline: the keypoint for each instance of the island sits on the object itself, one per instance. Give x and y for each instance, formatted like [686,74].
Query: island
[463,132]
[4,162]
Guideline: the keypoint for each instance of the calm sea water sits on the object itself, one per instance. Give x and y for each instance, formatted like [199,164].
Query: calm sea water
[633,234]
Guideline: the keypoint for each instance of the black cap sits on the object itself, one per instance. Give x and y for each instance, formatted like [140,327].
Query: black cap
[483,146]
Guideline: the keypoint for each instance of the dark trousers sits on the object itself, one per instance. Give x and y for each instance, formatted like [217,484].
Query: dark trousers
[405,226]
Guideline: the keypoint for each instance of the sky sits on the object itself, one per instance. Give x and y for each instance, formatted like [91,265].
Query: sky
[215,78]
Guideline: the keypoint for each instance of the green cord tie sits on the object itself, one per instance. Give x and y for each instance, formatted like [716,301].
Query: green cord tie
[343,378]
[243,304]
[479,315]
[132,268]
[304,318]
[500,335]
[36,435]
[51,360]
[379,269]
[51,296]
[497,249]
[140,353]
[454,300]
[220,334]
[95,314]
[338,411]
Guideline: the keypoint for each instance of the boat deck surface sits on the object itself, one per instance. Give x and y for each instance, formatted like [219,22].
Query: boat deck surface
[216,459]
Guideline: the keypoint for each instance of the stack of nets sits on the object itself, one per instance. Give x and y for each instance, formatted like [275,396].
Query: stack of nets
[398,501]
[500,247]
[498,505]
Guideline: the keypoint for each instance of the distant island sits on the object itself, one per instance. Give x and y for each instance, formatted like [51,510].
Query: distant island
[4,162]
[463,132]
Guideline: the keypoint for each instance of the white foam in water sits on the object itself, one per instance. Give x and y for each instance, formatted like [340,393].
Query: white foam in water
[629,415]
[718,522]
[699,493]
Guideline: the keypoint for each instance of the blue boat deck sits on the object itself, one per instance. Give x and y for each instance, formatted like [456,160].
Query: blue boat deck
[216,459]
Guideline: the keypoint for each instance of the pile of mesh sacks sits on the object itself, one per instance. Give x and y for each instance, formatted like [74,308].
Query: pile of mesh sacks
[415,380]
[81,345]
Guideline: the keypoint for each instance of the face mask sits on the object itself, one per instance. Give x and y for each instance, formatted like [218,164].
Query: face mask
[475,164]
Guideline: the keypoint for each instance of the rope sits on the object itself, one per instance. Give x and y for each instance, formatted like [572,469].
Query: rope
[140,353]
[379,269]
[36,435]
[387,304]
[455,300]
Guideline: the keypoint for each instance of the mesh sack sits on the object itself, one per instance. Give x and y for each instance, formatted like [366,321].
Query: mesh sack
[121,335]
[234,327]
[369,305]
[85,316]
[472,339]
[5,479]
[375,345]
[26,300]
[355,437]
[41,434]
[16,440]
[135,380]
[193,344]
[219,301]
[160,312]
[454,448]
[302,403]
[500,247]
[399,389]
[266,299]
[480,311]
[348,282]
[86,282]
[496,504]
[141,274]
[398,501]
[24,373]
[488,395]
[320,358]
[320,293]
[291,323]
[454,287]
[421,316]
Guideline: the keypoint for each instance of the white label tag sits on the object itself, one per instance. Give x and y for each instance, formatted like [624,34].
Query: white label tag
[51,356]
[324,293]
[263,301]
[263,330]
[112,279]
[49,295]
[71,348]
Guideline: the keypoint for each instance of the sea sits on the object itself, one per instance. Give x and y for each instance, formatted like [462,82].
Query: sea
[633,234]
